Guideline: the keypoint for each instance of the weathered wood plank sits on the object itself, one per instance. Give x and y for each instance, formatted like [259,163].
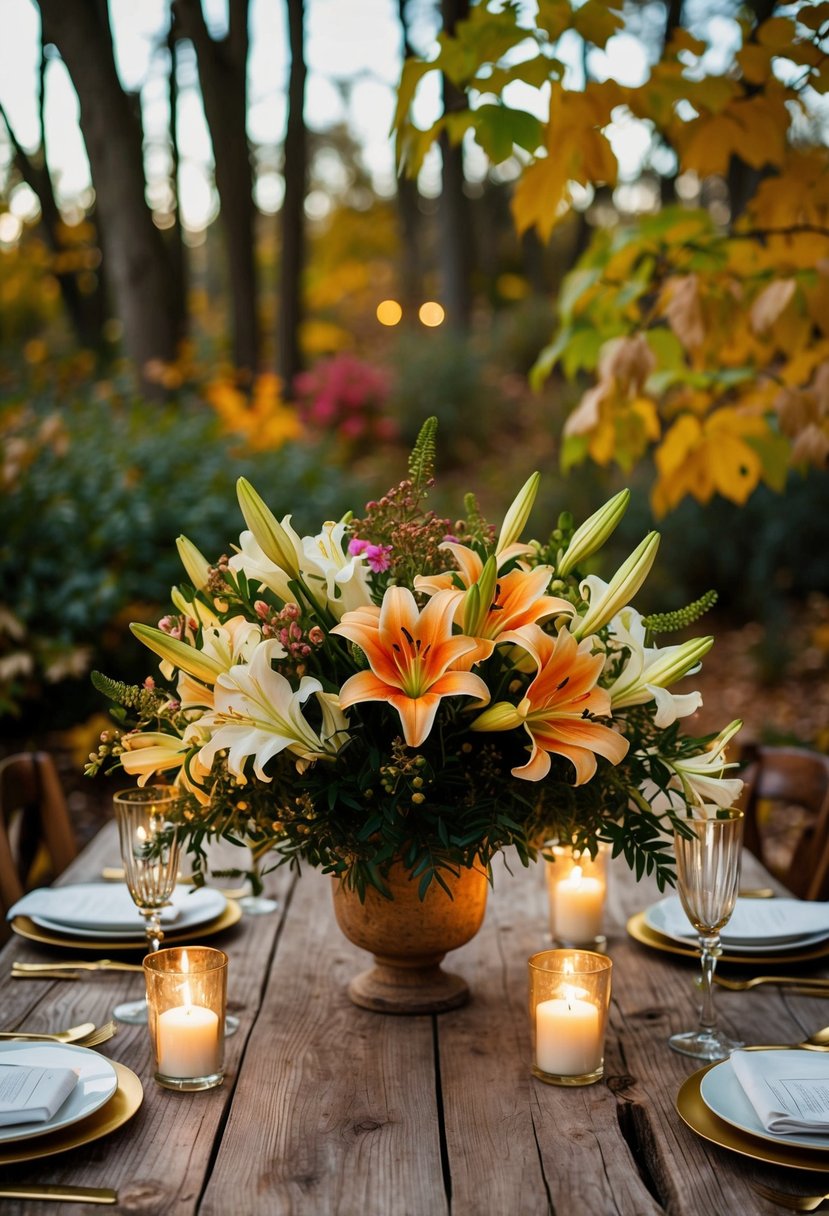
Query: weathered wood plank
[335,1108]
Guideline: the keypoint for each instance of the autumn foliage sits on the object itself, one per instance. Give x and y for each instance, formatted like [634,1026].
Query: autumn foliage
[704,329]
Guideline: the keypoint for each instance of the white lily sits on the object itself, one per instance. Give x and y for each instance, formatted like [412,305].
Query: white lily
[340,576]
[252,559]
[257,713]
[278,541]
[649,670]
[697,782]
[149,752]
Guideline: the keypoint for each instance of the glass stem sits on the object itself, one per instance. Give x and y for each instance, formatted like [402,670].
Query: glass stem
[152,927]
[711,951]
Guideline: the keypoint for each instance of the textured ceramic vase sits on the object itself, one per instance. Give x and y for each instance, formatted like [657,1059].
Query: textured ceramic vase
[409,938]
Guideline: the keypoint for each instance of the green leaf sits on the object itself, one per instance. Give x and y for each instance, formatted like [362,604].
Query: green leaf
[498,128]
[574,451]
[548,358]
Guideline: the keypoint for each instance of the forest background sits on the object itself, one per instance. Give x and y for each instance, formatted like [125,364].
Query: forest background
[269,237]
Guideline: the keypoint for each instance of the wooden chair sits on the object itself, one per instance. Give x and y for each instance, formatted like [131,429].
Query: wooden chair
[786,804]
[34,825]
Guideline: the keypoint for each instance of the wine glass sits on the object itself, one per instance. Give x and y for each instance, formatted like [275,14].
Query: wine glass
[708,857]
[149,850]
[257,903]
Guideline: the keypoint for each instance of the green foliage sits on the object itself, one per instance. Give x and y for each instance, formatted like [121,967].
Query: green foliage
[680,618]
[422,459]
[87,526]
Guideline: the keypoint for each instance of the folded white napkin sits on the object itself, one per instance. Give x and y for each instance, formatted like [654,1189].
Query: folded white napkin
[753,920]
[789,1090]
[105,906]
[33,1095]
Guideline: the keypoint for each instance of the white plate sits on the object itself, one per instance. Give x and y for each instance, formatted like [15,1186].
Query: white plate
[195,907]
[723,1094]
[97,1082]
[661,918]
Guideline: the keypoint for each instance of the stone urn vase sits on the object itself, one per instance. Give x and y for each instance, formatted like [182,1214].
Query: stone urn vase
[409,938]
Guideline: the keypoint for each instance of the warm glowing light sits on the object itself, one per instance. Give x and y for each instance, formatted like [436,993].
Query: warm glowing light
[431,313]
[389,312]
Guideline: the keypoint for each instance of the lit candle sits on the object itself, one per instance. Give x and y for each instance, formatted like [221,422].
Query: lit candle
[578,907]
[568,1038]
[188,1042]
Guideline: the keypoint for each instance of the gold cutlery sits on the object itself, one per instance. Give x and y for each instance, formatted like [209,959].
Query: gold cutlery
[101,964]
[812,987]
[62,1036]
[795,1203]
[757,893]
[817,1041]
[60,1194]
[87,1035]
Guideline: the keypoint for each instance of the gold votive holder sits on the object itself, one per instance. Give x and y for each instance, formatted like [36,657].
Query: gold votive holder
[577,892]
[569,1003]
[186,999]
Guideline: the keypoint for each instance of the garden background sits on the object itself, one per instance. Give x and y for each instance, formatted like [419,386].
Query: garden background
[240,237]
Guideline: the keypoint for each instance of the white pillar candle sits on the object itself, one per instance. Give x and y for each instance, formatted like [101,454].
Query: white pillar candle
[578,907]
[568,1040]
[188,1042]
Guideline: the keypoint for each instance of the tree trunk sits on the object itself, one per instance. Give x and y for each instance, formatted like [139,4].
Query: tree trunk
[457,252]
[138,268]
[408,210]
[175,237]
[222,66]
[295,170]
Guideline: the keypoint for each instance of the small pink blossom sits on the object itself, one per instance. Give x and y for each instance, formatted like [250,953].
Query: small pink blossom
[377,557]
[357,546]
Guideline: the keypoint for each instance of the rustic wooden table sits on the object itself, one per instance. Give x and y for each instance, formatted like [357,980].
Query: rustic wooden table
[327,1108]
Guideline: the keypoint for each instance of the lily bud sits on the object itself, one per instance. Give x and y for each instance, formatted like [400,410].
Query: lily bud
[621,589]
[518,514]
[268,532]
[194,562]
[472,610]
[593,533]
[501,716]
[674,666]
[185,657]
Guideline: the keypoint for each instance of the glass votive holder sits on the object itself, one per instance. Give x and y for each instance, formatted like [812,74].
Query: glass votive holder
[186,1000]
[569,1003]
[577,891]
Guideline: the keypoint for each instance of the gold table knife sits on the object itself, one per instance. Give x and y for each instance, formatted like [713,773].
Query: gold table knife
[60,1194]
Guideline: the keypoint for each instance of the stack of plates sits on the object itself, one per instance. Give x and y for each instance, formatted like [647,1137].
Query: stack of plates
[768,930]
[103,915]
[106,1096]
[714,1105]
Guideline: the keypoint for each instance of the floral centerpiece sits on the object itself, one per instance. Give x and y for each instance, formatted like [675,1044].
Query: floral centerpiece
[400,689]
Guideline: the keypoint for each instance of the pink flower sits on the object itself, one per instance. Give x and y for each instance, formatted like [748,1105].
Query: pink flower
[357,546]
[377,557]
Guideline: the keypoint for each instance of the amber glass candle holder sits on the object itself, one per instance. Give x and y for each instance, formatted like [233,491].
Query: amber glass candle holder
[186,999]
[577,891]
[569,1003]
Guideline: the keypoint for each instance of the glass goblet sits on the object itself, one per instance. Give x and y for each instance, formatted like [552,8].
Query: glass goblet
[708,858]
[150,852]
[257,903]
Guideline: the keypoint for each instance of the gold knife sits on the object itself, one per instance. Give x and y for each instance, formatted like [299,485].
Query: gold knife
[101,964]
[66,1194]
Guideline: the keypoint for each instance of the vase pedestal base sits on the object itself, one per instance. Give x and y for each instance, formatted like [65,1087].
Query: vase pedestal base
[388,987]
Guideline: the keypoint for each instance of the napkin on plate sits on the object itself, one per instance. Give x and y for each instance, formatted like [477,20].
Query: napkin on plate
[104,906]
[32,1095]
[789,1090]
[753,920]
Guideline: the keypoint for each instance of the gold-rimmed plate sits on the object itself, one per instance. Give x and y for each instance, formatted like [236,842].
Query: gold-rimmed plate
[118,1110]
[692,1110]
[25,927]
[641,932]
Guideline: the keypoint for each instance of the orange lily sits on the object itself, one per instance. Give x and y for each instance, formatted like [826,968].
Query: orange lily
[413,658]
[558,709]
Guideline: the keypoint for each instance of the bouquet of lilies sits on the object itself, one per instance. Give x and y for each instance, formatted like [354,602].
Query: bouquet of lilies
[400,687]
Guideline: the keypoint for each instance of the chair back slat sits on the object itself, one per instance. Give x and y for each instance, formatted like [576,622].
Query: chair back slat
[34,819]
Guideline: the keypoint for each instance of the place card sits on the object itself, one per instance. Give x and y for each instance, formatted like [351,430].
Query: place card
[789,1090]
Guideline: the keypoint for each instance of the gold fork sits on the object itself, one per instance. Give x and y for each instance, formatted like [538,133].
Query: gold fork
[48,969]
[101,1035]
[801,983]
[795,1203]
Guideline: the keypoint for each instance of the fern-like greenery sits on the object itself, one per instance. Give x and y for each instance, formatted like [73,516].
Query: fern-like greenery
[423,457]
[143,701]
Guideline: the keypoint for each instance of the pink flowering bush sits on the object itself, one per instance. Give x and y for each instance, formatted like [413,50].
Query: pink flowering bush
[347,397]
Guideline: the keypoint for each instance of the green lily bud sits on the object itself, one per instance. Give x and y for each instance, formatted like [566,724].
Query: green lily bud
[271,537]
[518,514]
[187,658]
[501,716]
[479,597]
[665,672]
[472,610]
[594,532]
[622,587]
[194,562]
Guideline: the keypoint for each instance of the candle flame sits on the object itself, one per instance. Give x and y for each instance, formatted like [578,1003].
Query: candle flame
[576,875]
[568,968]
